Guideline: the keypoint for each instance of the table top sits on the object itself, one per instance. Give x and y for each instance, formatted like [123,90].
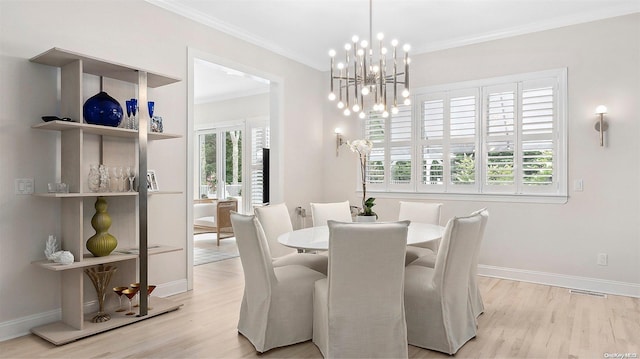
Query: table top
[317,238]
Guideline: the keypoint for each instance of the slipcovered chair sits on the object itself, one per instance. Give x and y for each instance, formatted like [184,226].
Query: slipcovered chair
[421,212]
[275,221]
[277,305]
[337,211]
[438,309]
[358,310]
[474,291]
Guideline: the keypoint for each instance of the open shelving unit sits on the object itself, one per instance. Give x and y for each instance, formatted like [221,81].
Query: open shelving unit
[75,323]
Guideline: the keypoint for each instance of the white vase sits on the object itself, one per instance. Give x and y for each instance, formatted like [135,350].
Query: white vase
[365,218]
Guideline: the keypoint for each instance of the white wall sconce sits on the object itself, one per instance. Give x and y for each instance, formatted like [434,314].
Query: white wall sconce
[601,125]
[339,139]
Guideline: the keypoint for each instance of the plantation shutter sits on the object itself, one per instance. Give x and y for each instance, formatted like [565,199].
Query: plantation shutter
[375,130]
[539,147]
[431,148]
[462,124]
[500,112]
[400,150]
[259,140]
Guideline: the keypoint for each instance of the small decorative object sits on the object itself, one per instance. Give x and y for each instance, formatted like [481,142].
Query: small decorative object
[94,178]
[55,118]
[102,109]
[152,181]
[118,291]
[363,148]
[156,124]
[104,178]
[63,257]
[130,293]
[134,111]
[102,243]
[52,246]
[57,187]
[100,277]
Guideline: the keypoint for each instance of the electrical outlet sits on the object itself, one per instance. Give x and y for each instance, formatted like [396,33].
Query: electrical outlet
[578,185]
[602,259]
[24,185]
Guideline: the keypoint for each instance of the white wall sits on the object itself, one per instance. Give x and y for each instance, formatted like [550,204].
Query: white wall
[153,39]
[231,110]
[550,243]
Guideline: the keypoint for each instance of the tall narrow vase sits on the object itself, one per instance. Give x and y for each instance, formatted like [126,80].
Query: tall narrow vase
[102,243]
[100,277]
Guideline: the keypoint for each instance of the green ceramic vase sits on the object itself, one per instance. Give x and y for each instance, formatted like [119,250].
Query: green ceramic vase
[102,243]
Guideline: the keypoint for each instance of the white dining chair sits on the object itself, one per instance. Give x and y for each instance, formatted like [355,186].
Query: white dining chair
[359,308]
[275,220]
[421,212]
[475,297]
[438,310]
[337,211]
[277,304]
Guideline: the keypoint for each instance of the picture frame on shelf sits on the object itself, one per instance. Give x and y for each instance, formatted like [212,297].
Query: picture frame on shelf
[152,181]
[156,124]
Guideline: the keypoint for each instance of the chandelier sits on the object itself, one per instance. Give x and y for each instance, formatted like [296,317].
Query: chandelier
[368,76]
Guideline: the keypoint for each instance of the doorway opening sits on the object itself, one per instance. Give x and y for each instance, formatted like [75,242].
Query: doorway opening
[233,134]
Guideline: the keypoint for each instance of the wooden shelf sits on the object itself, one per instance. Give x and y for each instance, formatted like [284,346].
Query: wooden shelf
[60,333]
[95,66]
[87,194]
[101,130]
[115,256]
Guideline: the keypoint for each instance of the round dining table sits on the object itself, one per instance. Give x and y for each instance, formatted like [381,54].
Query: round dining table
[317,238]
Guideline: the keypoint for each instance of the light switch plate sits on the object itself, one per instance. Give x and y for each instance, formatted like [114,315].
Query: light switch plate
[24,185]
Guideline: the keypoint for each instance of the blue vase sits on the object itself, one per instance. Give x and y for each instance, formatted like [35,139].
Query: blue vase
[102,109]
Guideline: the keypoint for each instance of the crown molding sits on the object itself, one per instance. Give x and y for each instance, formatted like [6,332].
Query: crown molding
[235,31]
[321,65]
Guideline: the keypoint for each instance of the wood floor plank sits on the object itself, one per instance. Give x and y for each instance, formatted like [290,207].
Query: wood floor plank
[521,320]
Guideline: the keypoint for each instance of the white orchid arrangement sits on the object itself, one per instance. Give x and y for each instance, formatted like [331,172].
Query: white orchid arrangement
[363,149]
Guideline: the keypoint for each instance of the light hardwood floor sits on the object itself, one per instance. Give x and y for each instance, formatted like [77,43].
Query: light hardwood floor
[522,320]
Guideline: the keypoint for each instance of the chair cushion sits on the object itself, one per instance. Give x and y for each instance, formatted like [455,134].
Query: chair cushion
[316,262]
[209,221]
[427,260]
[415,253]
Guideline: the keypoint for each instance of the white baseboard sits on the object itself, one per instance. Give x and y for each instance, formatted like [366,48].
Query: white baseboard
[561,280]
[22,326]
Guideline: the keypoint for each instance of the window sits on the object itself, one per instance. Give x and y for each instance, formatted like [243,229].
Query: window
[503,137]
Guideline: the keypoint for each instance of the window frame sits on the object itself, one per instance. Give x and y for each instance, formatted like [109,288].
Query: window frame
[480,191]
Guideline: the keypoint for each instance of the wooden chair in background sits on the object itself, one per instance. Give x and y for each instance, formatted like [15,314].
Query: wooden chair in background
[213,216]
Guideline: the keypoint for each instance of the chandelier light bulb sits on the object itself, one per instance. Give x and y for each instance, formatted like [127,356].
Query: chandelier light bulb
[394,110]
[355,38]
[347,112]
[385,114]
[347,47]
[406,47]
[383,50]
[361,115]
[365,91]
[332,52]
[340,104]
[356,108]
[405,93]
[360,52]
[364,44]
[340,66]
[394,42]
[375,69]
[380,36]
[601,109]
[407,101]
[332,97]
